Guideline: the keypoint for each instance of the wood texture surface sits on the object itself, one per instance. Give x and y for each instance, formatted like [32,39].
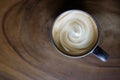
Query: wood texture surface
[26,52]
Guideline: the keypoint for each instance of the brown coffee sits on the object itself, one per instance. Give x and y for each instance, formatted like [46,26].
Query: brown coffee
[75,32]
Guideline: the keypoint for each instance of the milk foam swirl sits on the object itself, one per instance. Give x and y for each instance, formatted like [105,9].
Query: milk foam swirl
[75,32]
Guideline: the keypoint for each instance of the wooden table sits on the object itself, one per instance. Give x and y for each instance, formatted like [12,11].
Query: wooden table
[26,52]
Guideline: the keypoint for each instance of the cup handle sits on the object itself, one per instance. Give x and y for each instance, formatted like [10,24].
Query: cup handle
[101,54]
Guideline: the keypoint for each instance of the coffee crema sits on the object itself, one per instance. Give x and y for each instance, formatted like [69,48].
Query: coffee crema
[75,32]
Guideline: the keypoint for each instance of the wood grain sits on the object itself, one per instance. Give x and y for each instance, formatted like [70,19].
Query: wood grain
[26,52]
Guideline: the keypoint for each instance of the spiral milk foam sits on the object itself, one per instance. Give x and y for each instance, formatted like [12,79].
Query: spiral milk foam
[75,32]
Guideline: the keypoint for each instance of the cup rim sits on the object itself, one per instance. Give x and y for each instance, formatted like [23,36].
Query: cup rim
[76,56]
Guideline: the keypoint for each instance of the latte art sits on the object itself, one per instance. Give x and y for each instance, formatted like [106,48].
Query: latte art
[75,32]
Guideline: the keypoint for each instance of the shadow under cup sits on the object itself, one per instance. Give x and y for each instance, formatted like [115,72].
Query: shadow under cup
[100,53]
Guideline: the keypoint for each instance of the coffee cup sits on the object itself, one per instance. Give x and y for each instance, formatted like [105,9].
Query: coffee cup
[76,34]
